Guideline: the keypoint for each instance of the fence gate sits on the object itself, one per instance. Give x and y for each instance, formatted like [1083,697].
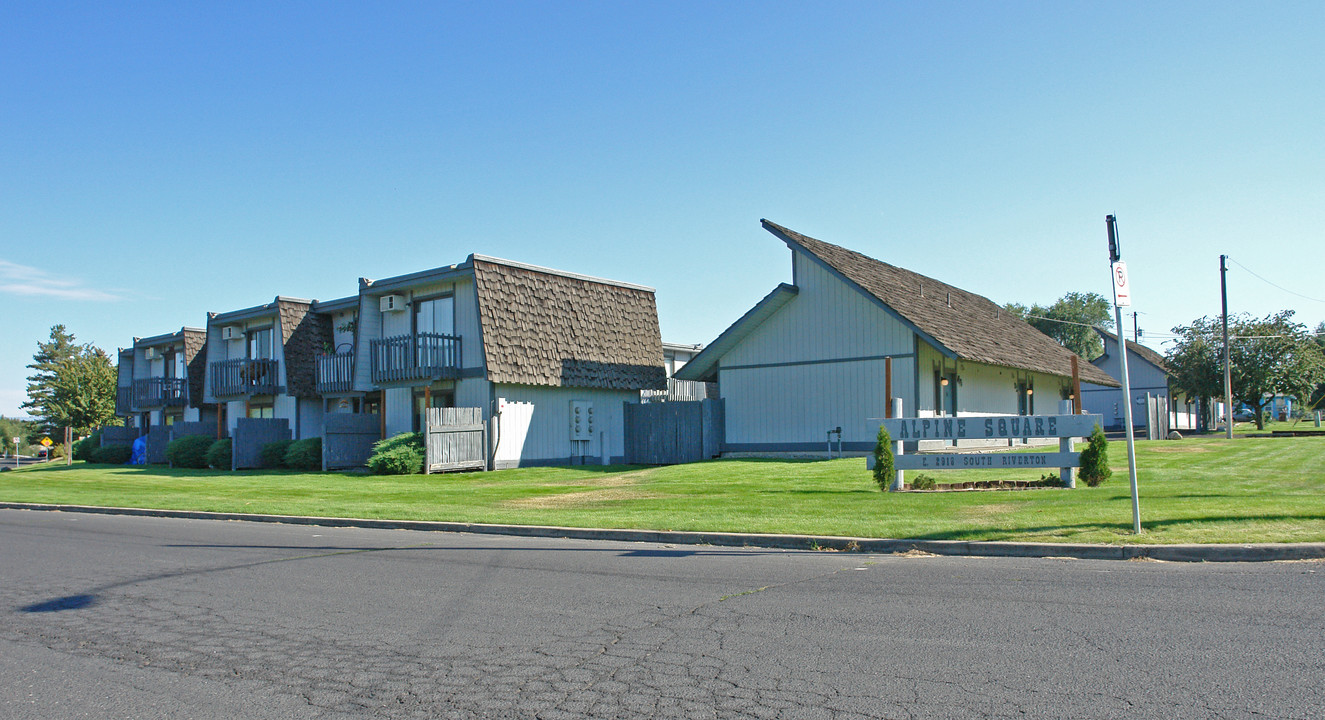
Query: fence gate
[455,439]
[157,440]
[251,434]
[347,439]
[669,433]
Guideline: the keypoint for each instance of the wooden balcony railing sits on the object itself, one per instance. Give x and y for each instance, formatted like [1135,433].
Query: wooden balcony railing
[335,373]
[160,392]
[245,377]
[124,400]
[415,357]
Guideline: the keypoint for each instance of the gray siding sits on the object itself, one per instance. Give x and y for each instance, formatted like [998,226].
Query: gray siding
[534,428]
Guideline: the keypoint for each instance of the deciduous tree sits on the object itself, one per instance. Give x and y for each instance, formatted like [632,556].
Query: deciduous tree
[1070,320]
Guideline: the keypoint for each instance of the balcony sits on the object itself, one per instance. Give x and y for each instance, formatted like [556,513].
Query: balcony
[160,392]
[335,373]
[415,357]
[245,377]
[124,400]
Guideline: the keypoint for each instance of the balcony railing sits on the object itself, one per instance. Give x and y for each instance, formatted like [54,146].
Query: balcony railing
[677,391]
[335,373]
[160,392]
[415,357]
[124,400]
[245,377]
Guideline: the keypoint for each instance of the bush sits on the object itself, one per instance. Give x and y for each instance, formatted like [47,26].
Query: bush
[922,482]
[189,451]
[1051,480]
[1095,459]
[111,454]
[83,448]
[304,455]
[884,474]
[397,455]
[272,454]
[221,454]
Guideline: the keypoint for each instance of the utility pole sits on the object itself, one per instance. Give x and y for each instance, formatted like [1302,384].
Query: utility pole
[1136,330]
[1122,296]
[1228,368]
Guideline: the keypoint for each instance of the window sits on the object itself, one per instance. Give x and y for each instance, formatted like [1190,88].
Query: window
[435,315]
[259,344]
[261,410]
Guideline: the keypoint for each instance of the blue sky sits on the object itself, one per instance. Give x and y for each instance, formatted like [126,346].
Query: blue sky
[162,160]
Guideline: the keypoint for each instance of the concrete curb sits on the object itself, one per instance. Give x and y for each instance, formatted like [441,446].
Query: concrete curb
[1255,552]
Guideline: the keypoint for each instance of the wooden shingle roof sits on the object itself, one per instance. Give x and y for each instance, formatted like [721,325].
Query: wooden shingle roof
[543,327]
[1141,351]
[959,323]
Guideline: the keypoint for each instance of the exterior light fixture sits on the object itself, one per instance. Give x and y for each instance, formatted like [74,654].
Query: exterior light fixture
[943,381]
[1030,391]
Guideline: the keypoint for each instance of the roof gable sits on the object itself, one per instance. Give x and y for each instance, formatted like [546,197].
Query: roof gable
[1137,349]
[548,328]
[958,323]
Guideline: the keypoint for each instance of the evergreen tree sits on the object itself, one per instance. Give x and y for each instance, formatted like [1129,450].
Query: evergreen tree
[45,363]
[83,391]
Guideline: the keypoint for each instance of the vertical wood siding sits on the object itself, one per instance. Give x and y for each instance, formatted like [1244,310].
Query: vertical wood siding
[535,425]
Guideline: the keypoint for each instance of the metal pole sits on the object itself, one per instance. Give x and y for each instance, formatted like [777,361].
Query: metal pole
[1127,387]
[1228,368]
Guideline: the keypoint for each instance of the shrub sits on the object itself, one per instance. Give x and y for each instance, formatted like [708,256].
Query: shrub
[272,454]
[1095,459]
[83,448]
[189,451]
[221,454]
[111,454]
[1051,480]
[304,455]
[922,482]
[884,474]
[397,455]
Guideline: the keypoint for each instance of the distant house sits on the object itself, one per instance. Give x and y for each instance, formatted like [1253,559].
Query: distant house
[675,357]
[814,355]
[261,364]
[160,380]
[1147,374]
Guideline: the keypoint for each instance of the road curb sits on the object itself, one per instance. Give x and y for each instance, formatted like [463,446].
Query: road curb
[1253,552]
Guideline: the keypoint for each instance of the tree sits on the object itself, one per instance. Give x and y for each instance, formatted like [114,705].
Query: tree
[49,355]
[1071,321]
[1318,396]
[1268,356]
[83,391]
[11,428]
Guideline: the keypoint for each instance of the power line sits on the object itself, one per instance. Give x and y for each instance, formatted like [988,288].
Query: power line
[1267,282]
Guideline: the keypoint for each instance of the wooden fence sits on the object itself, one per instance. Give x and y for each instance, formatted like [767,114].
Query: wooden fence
[118,436]
[251,434]
[455,439]
[347,439]
[670,433]
[157,440]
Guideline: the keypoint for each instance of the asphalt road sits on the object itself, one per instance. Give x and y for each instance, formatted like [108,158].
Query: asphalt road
[109,616]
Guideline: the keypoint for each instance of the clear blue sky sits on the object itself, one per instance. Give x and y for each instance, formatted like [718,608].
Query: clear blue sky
[162,160]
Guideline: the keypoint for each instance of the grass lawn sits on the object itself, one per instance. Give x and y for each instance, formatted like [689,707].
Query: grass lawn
[1204,490]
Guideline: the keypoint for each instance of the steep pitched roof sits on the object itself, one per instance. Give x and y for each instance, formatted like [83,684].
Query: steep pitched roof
[305,335]
[543,327]
[959,323]
[1142,351]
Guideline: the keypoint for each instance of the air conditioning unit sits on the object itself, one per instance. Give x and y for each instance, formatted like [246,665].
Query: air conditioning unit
[391,303]
[151,353]
[231,332]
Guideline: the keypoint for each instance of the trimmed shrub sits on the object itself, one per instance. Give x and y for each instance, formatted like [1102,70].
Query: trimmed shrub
[922,482]
[304,455]
[1095,459]
[397,455]
[83,448]
[111,454]
[1051,480]
[221,454]
[884,474]
[272,454]
[189,451]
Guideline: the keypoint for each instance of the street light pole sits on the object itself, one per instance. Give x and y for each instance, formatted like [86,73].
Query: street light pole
[1228,367]
[1122,295]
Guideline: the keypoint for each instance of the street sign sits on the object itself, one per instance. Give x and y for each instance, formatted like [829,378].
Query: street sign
[46,442]
[1122,294]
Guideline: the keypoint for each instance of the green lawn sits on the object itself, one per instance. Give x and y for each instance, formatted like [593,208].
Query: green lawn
[1207,490]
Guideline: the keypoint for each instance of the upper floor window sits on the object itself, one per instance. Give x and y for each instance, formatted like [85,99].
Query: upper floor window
[259,344]
[435,315]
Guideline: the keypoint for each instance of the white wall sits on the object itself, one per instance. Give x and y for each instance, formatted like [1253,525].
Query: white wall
[534,425]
